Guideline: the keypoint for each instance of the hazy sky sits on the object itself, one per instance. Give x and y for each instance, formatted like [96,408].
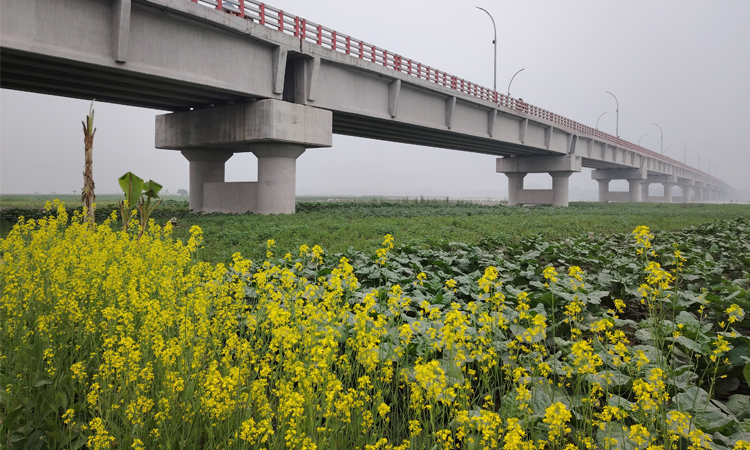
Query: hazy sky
[682,64]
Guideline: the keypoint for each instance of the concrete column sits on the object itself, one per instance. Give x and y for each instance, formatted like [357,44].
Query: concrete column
[277,177]
[515,186]
[635,190]
[560,188]
[668,192]
[603,190]
[205,165]
[686,193]
[644,191]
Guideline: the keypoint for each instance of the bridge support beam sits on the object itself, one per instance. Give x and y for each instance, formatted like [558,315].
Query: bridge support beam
[276,132]
[634,177]
[668,181]
[686,185]
[559,167]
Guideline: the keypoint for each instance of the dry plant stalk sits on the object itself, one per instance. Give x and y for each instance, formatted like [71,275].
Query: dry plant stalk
[87,193]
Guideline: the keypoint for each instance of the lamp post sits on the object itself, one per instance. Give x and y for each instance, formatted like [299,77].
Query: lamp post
[597,120]
[511,80]
[661,146]
[709,165]
[699,158]
[639,140]
[617,126]
[494,41]
[684,154]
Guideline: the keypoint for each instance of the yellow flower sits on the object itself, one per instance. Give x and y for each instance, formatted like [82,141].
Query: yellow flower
[557,416]
[736,313]
[550,274]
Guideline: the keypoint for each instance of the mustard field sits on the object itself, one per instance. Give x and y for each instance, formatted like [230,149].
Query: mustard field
[634,340]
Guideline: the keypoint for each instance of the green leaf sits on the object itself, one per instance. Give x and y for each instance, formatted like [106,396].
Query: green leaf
[708,415]
[739,404]
[609,378]
[596,296]
[132,186]
[746,373]
[152,189]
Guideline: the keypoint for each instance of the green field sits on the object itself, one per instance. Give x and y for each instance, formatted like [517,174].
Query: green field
[336,226]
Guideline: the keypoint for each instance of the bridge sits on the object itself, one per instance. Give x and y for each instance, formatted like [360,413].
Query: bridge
[243,76]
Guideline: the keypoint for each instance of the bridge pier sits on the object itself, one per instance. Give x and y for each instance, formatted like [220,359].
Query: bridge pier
[206,166]
[698,190]
[644,191]
[634,177]
[668,192]
[559,167]
[276,132]
[277,175]
[687,189]
[668,181]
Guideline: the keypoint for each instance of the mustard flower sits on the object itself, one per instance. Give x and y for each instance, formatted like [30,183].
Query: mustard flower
[557,416]
[736,313]
[550,274]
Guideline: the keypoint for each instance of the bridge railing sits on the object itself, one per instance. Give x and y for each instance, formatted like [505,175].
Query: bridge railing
[276,19]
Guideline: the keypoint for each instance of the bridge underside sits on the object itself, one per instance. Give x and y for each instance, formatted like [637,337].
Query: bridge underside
[74,79]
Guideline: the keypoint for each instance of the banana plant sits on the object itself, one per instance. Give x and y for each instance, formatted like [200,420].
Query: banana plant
[132,186]
[142,195]
[145,207]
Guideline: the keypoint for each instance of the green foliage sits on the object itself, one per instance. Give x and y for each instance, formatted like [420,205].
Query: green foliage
[134,187]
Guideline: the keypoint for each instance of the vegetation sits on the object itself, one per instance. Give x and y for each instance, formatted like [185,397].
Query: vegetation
[87,193]
[603,340]
[337,226]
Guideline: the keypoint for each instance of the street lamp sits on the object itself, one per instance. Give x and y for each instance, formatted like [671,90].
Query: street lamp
[617,126]
[511,80]
[684,154]
[709,165]
[597,120]
[662,138]
[639,140]
[494,41]
[699,158]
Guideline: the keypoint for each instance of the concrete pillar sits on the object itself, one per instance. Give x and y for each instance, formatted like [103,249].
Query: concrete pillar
[277,168]
[559,167]
[668,192]
[515,186]
[635,190]
[603,190]
[205,166]
[276,131]
[644,191]
[560,188]
[686,193]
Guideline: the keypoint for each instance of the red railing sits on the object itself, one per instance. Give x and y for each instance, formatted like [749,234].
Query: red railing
[305,30]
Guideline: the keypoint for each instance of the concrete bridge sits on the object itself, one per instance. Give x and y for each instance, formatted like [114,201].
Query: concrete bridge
[242,76]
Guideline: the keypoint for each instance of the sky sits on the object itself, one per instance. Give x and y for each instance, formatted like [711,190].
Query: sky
[684,65]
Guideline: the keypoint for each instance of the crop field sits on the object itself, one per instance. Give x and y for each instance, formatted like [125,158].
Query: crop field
[337,226]
[377,326]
